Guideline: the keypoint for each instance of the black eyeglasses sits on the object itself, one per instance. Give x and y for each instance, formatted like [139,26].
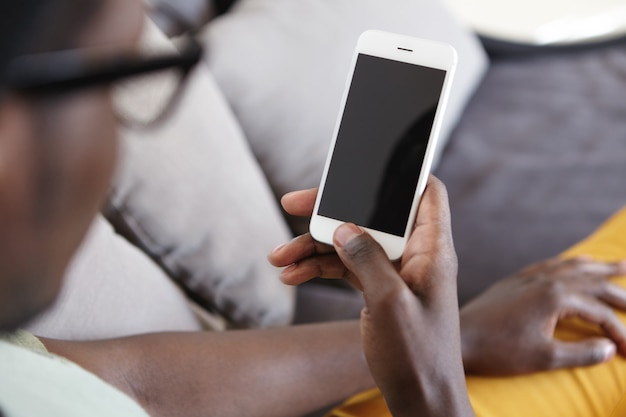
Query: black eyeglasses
[161,78]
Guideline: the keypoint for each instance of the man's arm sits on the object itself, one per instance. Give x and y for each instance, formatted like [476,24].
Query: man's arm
[278,372]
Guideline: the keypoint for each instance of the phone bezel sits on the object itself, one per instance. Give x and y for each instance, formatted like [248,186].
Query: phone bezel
[400,48]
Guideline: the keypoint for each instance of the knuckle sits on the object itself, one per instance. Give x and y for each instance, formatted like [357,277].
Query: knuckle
[546,358]
[604,288]
[555,291]
[568,267]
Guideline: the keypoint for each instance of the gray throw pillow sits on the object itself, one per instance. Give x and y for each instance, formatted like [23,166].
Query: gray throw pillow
[192,196]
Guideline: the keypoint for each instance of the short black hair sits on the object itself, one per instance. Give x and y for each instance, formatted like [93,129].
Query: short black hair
[32,26]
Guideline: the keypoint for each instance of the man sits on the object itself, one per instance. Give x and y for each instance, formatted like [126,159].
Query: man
[57,151]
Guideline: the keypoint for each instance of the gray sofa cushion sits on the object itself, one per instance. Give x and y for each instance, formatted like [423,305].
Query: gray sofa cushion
[538,160]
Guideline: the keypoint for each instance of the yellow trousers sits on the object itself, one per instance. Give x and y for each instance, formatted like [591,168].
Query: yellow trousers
[595,391]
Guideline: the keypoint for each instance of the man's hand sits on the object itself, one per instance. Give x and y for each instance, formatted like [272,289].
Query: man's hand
[410,324]
[304,258]
[509,329]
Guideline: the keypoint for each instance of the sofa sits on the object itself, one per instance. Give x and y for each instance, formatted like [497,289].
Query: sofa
[533,153]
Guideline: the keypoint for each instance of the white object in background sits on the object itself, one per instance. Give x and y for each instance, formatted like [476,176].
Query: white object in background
[544,22]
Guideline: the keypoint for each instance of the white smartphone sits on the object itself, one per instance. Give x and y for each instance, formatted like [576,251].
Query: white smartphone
[385,138]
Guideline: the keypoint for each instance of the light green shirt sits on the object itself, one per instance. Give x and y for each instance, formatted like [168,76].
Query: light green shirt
[34,383]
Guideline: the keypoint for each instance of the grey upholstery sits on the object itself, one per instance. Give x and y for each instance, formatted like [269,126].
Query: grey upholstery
[538,160]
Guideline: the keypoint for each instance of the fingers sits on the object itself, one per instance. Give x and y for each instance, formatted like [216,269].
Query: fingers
[613,295]
[365,258]
[593,311]
[606,269]
[430,250]
[572,354]
[298,249]
[585,265]
[434,207]
[429,255]
[592,351]
[574,267]
[327,266]
[299,203]
[305,259]
[580,276]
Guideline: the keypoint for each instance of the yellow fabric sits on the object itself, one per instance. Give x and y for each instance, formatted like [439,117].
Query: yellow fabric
[596,391]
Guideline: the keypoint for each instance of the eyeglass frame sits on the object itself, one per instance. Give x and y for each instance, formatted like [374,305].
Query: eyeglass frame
[75,69]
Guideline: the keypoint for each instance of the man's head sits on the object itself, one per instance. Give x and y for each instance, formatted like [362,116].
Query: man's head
[57,149]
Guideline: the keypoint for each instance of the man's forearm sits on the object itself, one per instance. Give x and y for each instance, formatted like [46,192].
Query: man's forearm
[279,372]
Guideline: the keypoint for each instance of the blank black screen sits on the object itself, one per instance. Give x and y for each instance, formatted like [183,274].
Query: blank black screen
[381,143]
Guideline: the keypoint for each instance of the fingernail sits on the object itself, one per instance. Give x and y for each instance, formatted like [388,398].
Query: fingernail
[286,271]
[608,351]
[345,233]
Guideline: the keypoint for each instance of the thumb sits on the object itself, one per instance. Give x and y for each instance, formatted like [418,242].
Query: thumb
[366,259]
[583,353]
